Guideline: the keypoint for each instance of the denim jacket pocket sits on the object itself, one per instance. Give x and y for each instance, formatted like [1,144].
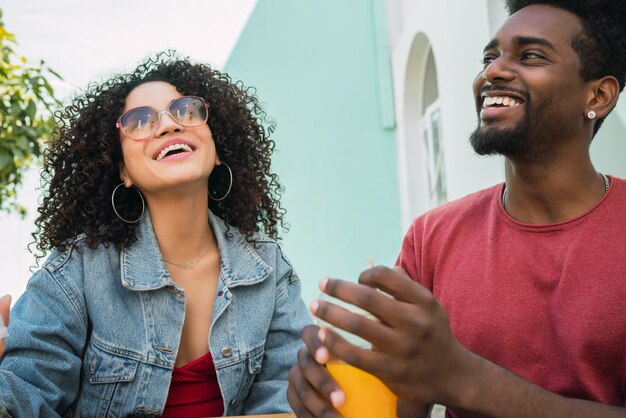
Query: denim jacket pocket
[255,360]
[106,391]
[251,368]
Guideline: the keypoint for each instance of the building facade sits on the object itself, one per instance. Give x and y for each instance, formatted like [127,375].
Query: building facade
[374,107]
[436,51]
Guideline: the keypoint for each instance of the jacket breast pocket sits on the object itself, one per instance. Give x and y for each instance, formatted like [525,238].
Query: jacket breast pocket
[106,387]
[251,368]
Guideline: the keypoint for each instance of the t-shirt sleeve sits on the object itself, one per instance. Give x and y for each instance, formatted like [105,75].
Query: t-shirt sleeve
[408,258]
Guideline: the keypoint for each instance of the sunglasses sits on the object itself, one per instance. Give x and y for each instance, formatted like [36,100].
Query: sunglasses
[140,123]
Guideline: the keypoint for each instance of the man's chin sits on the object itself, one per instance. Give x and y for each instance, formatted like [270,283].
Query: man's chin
[495,141]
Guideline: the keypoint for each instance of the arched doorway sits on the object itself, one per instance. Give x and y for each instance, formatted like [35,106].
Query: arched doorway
[423,135]
[431,129]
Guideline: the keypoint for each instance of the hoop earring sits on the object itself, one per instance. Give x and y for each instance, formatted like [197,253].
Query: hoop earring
[230,185]
[591,114]
[143,205]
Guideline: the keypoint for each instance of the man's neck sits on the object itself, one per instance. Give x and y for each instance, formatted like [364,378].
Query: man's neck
[554,192]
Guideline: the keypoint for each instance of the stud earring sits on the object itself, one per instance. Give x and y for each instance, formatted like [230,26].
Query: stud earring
[591,114]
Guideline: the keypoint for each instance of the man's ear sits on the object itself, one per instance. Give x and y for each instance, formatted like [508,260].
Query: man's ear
[603,96]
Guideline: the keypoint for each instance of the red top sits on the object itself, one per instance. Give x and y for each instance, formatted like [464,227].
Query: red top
[543,301]
[194,391]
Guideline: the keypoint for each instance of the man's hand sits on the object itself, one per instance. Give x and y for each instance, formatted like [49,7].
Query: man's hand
[415,353]
[5,305]
[312,392]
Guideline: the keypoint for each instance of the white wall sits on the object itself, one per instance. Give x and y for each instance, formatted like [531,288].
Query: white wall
[457,31]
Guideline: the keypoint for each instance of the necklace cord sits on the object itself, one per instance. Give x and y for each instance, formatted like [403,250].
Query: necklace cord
[191,264]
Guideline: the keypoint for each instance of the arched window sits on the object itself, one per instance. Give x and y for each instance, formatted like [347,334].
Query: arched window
[431,127]
[421,151]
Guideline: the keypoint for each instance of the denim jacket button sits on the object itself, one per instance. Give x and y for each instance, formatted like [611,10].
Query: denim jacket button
[227,351]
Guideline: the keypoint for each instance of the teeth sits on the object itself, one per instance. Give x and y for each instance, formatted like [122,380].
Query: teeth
[500,100]
[173,147]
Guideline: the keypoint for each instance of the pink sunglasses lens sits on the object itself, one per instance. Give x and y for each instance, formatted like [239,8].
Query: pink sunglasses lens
[189,111]
[139,123]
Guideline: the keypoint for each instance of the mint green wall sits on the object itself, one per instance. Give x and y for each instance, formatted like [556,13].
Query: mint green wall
[316,66]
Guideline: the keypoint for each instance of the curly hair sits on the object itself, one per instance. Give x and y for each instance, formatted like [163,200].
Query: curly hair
[601,45]
[81,163]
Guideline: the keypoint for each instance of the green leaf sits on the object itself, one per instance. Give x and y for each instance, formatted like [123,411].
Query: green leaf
[31,110]
[54,73]
[16,108]
[5,160]
[23,144]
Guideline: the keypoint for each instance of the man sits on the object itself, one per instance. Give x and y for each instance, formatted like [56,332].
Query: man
[516,307]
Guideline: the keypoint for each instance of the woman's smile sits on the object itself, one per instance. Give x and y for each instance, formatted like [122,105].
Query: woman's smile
[174,149]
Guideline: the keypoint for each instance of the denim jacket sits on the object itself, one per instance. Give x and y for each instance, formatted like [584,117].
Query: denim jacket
[97,331]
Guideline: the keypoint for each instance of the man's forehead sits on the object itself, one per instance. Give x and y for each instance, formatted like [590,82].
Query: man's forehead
[540,21]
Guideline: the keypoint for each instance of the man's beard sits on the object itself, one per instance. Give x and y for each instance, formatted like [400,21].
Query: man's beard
[528,141]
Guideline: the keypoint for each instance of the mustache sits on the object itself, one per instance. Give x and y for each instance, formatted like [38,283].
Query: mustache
[501,87]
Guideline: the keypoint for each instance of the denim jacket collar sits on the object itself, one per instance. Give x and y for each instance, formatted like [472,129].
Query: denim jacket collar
[143,268]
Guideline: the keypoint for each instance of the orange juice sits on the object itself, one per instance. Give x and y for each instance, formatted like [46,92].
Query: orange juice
[366,396]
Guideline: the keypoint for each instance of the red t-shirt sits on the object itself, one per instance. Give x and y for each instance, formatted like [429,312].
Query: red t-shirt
[194,391]
[547,302]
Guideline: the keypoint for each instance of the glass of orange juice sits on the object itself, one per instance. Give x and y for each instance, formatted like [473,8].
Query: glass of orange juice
[366,395]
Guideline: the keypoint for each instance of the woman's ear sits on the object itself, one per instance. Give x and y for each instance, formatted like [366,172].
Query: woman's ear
[124,176]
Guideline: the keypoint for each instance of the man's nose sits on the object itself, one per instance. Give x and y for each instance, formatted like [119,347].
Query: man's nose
[499,70]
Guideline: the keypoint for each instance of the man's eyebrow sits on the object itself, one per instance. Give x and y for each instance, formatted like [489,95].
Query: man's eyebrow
[492,44]
[521,41]
[528,40]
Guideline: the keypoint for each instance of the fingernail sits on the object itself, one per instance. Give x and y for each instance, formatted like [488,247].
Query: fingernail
[314,306]
[321,334]
[323,283]
[337,398]
[321,355]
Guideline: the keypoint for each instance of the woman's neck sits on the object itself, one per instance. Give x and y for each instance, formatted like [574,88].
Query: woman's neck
[181,225]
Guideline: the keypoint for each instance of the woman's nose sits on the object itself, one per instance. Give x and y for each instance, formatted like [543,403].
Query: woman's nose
[167,125]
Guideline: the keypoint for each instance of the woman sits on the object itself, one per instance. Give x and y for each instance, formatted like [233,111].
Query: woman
[165,292]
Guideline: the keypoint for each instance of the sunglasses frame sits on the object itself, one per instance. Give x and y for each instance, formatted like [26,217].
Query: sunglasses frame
[166,111]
